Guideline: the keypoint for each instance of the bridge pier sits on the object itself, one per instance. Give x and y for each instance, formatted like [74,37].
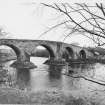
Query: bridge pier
[25,64]
[56,62]
[23,61]
[57,59]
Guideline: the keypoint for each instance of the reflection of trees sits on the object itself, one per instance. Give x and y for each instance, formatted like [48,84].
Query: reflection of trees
[55,71]
[23,77]
[65,55]
[80,68]
[81,75]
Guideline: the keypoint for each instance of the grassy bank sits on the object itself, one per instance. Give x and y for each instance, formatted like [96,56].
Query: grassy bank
[48,97]
[13,95]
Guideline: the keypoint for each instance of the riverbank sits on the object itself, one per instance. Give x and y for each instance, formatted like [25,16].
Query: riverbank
[86,61]
[45,97]
[74,61]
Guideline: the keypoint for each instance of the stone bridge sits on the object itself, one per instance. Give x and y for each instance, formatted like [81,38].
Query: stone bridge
[57,50]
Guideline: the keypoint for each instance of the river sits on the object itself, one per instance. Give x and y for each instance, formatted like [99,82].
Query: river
[46,77]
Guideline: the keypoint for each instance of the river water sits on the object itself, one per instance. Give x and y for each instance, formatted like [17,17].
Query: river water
[46,77]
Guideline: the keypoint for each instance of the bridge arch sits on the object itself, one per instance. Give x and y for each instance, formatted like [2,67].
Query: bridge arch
[68,53]
[49,49]
[82,54]
[14,48]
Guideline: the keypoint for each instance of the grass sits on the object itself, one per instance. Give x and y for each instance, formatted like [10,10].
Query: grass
[48,97]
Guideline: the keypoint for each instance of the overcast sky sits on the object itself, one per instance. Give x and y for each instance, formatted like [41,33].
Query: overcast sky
[27,20]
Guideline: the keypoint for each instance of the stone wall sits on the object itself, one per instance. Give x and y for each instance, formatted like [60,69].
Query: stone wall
[28,47]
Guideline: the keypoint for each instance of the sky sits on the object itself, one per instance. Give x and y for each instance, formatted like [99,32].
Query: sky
[26,19]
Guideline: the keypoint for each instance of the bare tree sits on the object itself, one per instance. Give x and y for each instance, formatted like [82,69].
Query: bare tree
[84,19]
